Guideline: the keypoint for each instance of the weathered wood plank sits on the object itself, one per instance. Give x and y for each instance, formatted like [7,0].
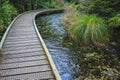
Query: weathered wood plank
[19,71]
[23,51]
[21,33]
[24,59]
[23,64]
[24,28]
[30,54]
[21,45]
[31,76]
[21,42]
[25,48]
[23,37]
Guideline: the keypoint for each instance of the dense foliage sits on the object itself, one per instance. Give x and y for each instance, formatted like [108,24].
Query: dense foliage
[105,8]
[10,8]
[25,5]
[114,21]
[6,12]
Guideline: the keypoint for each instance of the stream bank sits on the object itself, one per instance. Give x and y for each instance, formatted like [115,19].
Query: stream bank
[73,61]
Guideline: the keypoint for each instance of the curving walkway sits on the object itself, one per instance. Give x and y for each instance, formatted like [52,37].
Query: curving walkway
[24,55]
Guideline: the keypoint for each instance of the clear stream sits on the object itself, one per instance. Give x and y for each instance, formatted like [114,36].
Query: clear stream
[66,57]
[53,33]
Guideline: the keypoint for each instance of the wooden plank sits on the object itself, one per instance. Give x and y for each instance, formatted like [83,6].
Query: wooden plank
[25,28]
[19,34]
[30,54]
[23,64]
[23,51]
[31,76]
[21,42]
[27,51]
[23,25]
[23,37]
[26,70]
[22,30]
[24,59]
[21,45]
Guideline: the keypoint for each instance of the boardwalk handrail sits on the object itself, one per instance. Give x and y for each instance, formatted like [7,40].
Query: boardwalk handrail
[55,71]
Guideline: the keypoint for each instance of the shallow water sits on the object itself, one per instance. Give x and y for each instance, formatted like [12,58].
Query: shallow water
[66,56]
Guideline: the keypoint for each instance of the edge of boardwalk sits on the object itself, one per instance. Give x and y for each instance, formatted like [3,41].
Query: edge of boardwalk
[55,71]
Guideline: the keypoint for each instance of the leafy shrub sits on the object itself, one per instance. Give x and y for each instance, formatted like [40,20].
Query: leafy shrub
[49,5]
[114,21]
[104,8]
[6,11]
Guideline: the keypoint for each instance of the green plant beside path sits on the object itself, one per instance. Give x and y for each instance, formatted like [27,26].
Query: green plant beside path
[86,29]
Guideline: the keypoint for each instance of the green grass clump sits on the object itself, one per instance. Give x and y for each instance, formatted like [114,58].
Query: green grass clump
[86,29]
[114,22]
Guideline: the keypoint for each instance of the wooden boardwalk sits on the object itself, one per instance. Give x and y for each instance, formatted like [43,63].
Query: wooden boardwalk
[24,57]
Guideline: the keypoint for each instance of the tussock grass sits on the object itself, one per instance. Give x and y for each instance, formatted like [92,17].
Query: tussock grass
[85,29]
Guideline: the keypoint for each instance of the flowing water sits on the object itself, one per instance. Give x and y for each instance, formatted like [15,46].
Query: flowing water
[65,55]
[53,33]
